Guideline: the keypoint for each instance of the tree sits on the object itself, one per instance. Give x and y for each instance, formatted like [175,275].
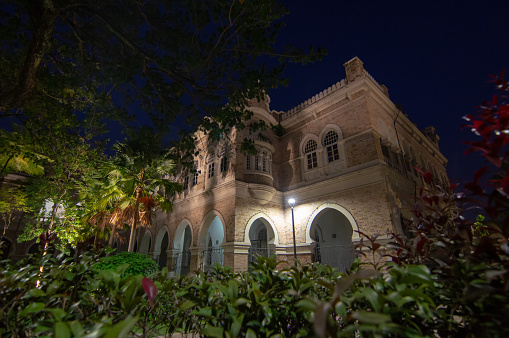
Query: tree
[67,66]
[182,58]
[137,182]
[13,203]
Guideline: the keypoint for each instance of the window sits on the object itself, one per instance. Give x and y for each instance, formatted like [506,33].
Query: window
[211,170]
[310,151]
[186,182]
[195,175]
[224,164]
[330,142]
[260,162]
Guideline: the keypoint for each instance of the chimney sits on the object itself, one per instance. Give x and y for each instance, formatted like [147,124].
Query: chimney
[354,69]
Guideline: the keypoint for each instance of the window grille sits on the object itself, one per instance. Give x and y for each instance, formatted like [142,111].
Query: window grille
[264,161]
[330,142]
[248,162]
[186,182]
[224,164]
[310,150]
[330,138]
[256,166]
[211,170]
[310,146]
[195,175]
[312,160]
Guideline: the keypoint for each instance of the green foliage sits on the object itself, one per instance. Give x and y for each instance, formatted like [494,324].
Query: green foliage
[74,297]
[13,203]
[278,129]
[138,264]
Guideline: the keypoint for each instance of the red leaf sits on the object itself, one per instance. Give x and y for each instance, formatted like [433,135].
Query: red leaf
[428,177]
[419,243]
[479,173]
[419,170]
[150,289]
[453,186]
[495,100]
[505,184]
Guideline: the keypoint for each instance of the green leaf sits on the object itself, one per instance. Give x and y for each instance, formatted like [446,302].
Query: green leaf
[122,328]
[240,301]
[371,317]
[212,331]
[236,325]
[187,305]
[62,330]
[33,293]
[58,313]
[233,289]
[33,307]
[250,334]
[307,304]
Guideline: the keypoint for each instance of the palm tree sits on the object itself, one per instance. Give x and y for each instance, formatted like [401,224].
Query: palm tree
[136,183]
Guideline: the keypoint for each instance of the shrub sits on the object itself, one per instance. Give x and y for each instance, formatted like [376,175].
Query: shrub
[139,264]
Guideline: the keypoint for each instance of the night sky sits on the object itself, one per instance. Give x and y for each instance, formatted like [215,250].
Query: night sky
[435,57]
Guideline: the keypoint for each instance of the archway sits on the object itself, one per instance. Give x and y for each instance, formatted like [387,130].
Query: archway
[182,244]
[5,248]
[212,241]
[161,247]
[262,237]
[146,242]
[332,231]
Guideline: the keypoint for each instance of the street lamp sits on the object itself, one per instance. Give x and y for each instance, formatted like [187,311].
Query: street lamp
[291,202]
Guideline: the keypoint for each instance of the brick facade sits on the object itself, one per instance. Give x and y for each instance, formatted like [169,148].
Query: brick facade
[363,176]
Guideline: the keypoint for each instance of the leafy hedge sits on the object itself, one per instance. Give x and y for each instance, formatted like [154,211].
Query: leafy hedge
[139,264]
[76,299]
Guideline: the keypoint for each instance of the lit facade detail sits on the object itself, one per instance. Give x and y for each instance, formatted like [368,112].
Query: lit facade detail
[347,156]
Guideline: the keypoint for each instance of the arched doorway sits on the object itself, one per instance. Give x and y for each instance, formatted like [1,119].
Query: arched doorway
[161,247]
[261,237]
[213,252]
[146,242]
[5,248]
[332,232]
[182,244]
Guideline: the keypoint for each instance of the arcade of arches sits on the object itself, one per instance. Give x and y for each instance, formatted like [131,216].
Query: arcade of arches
[326,236]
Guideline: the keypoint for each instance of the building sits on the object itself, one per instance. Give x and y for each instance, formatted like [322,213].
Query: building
[346,156]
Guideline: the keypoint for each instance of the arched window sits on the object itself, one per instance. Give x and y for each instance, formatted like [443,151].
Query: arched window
[310,151]
[210,161]
[262,161]
[330,141]
[195,175]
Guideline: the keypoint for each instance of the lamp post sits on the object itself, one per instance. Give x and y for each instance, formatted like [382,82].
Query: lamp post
[291,202]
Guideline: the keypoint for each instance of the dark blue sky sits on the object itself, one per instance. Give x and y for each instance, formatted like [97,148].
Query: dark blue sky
[434,56]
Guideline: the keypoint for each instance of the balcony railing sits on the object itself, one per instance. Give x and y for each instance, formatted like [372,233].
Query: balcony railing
[337,256]
[182,262]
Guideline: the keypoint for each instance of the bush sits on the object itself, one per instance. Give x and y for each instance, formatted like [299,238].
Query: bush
[139,264]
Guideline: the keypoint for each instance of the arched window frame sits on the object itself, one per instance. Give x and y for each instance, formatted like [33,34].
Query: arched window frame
[330,139]
[312,153]
[261,162]
[211,157]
